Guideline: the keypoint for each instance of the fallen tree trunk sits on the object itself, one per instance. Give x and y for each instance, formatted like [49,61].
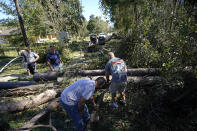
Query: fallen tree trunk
[49,76]
[26,90]
[130,72]
[9,85]
[31,102]
[36,126]
[143,81]
[53,105]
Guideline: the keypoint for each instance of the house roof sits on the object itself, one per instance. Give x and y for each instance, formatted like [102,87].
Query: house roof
[8,32]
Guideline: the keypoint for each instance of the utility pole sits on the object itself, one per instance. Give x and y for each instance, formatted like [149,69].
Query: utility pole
[21,23]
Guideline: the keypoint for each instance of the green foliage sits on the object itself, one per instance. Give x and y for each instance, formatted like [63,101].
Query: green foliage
[159,34]
[83,32]
[43,48]
[97,25]
[15,40]
[63,15]
[43,17]
[2,51]
[155,32]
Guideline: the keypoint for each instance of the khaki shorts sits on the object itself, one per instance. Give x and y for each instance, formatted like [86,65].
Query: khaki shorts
[120,87]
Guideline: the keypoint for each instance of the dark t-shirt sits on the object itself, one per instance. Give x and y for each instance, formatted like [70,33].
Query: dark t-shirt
[54,59]
[116,67]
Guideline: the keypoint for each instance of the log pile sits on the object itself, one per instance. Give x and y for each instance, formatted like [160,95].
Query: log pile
[142,76]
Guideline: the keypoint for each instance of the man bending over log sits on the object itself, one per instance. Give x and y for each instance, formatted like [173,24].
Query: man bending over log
[74,97]
[117,68]
[53,59]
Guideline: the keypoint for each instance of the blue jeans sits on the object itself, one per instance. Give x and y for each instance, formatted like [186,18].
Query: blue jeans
[78,119]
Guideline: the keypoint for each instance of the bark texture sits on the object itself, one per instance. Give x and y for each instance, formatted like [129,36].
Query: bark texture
[31,102]
[9,85]
[130,72]
[49,76]
[26,90]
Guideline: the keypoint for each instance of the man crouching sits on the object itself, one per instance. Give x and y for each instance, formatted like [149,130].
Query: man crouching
[74,97]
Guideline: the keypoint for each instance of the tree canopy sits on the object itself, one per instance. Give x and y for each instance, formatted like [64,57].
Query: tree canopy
[97,25]
[159,33]
[41,17]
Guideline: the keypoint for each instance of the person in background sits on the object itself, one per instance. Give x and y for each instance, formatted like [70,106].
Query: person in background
[74,97]
[53,59]
[117,68]
[30,59]
[24,53]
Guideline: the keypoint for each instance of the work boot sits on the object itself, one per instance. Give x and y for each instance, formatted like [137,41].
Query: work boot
[113,104]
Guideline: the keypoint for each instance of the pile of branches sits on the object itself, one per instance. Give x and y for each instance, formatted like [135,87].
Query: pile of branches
[168,106]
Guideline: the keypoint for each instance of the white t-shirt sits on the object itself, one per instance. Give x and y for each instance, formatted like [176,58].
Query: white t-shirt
[31,57]
[24,54]
[82,88]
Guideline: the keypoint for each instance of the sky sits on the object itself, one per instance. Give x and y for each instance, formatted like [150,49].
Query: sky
[91,7]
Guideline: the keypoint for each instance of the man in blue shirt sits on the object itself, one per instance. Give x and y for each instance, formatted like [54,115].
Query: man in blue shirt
[73,100]
[117,68]
[53,60]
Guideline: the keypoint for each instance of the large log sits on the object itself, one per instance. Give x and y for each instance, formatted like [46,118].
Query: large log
[53,105]
[130,72]
[143,81]
[26,90]
[9,85]
[30,102]
[49,76]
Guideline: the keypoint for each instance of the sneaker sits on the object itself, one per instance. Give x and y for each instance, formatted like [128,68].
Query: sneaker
[123,102]
[113,104]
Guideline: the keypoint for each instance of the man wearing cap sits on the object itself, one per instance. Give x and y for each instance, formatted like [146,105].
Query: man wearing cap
[74,97]
[53,59]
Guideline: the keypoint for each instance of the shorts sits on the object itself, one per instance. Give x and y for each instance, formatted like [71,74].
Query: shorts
[32,67]
[120,87]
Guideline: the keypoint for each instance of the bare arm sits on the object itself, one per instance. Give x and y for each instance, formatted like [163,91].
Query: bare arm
[107,76]
[37,58]
[93,101]
[50,66]
[125,68]
[81,105]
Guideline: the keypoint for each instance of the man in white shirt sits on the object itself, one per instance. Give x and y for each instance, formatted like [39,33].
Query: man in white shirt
[30,59]
[73,100]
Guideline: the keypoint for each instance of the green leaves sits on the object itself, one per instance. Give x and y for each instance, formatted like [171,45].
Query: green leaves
[97,25]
